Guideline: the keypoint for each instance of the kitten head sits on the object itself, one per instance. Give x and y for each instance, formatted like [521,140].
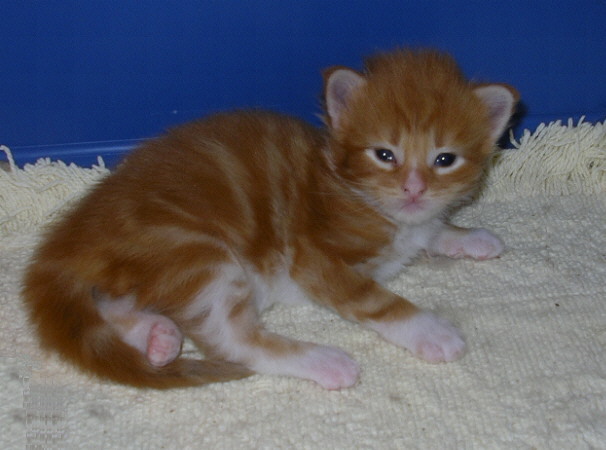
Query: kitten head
[411,134]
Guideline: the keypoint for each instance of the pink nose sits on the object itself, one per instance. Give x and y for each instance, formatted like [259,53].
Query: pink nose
[415,185]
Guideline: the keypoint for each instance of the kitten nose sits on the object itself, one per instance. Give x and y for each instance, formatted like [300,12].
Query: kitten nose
[415,185]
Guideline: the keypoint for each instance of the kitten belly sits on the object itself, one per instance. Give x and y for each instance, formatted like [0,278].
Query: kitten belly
[264,290]
[279,288]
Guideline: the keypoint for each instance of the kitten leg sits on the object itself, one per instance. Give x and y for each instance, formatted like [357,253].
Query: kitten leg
[229,329]
[154,335]
[476,243]
[358,298]
[328,366]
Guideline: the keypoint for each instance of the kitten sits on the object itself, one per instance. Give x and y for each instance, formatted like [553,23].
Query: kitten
[198,231]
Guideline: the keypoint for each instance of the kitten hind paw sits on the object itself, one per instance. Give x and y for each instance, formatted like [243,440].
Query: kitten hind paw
[434,339]
[330,367]
[164,342]
[425,335]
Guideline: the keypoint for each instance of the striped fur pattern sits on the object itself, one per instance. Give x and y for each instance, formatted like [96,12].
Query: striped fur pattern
[199,230]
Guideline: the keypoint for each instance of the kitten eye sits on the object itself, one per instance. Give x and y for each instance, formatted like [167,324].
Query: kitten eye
[445,160]
[385,155]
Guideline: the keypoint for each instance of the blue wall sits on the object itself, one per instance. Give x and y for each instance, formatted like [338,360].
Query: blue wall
[79,78]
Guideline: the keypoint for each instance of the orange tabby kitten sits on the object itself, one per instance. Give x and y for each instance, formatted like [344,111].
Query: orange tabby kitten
[199,230]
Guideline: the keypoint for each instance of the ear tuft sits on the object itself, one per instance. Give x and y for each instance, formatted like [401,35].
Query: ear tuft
[500,100]
[340,84]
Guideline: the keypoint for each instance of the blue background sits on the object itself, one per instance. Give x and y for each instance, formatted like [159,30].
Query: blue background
[81,78]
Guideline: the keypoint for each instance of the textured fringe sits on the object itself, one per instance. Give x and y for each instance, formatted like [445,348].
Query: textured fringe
[554,160]
[31,196]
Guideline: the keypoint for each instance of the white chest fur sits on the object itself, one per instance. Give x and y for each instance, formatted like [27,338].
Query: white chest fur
[408,241]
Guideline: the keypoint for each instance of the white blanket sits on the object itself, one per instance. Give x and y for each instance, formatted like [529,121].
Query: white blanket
[534,320]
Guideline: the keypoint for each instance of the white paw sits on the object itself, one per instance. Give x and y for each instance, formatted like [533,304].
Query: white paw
[427,336]
[434,339]
[330,367]
[164,342]
[478,244]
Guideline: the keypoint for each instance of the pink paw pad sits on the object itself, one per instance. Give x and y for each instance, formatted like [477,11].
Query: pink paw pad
[164,342]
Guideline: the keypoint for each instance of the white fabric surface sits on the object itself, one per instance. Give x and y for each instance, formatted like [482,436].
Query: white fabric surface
[534,320]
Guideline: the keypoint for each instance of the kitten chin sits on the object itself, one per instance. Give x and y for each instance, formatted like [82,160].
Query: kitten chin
[407,212]
[200,229]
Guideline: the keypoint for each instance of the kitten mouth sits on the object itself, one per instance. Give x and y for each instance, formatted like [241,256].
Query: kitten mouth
[413,212]
[414,206]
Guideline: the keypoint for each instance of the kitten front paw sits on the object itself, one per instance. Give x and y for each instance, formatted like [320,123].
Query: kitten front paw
[478,243]
[428,337]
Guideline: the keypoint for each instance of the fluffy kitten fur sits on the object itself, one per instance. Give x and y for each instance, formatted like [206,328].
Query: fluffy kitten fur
[201,229]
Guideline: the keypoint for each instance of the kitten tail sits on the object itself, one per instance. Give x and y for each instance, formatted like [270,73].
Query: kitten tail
[66,318]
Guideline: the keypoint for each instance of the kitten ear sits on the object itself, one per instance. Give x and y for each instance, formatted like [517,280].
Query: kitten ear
[339,85]
[500,100]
